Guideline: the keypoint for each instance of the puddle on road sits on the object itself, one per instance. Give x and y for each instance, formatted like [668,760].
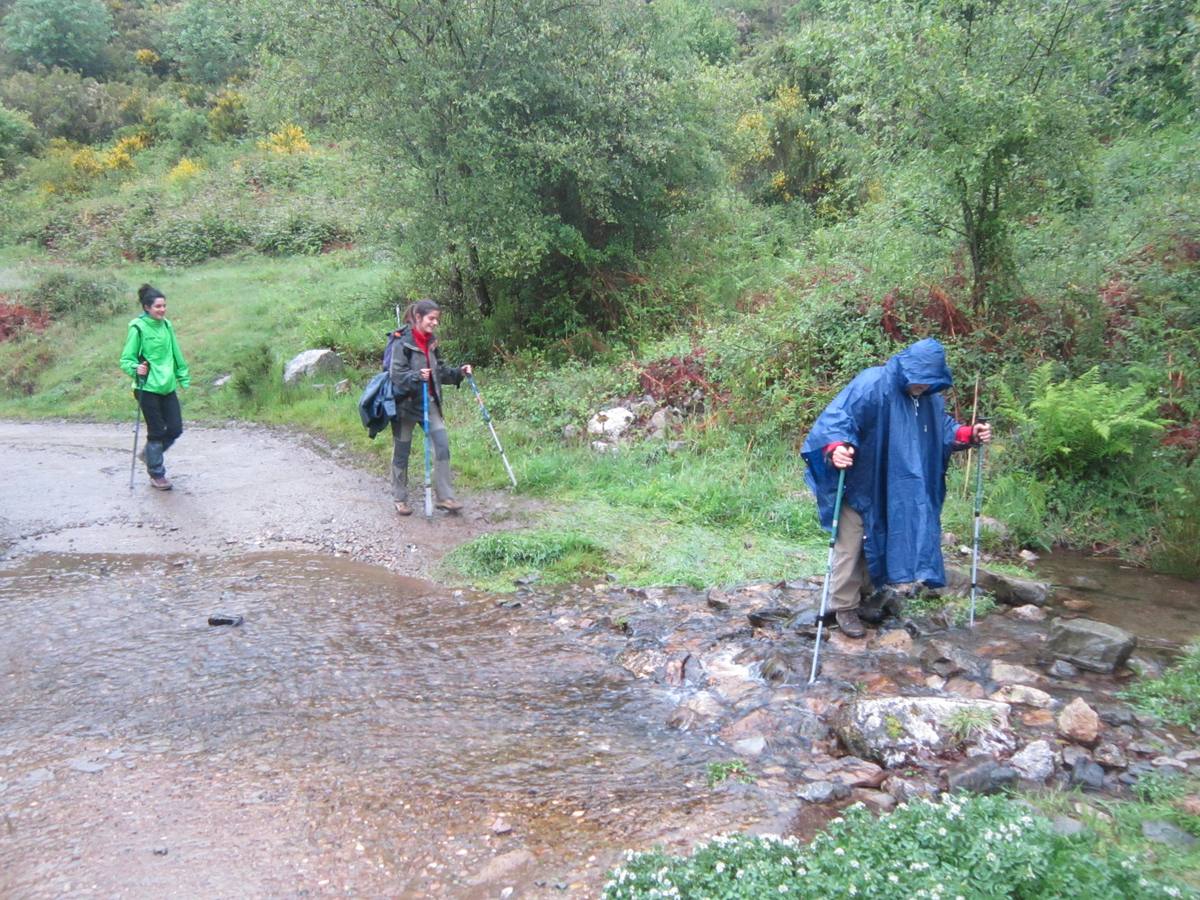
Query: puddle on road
[350,700]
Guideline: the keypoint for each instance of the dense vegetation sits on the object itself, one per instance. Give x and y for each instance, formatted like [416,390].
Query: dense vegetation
[732,206]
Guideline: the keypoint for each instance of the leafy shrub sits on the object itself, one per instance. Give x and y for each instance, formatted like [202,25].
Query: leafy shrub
[976,847]
[1178,551]
[254,375]
[209,42]
[186,128]
[289,139]
[67,33]
[17,138]
[227,118]
[69,291]
[1175,697]
[1082,422]
[64,104]
[189,241]
[298,234]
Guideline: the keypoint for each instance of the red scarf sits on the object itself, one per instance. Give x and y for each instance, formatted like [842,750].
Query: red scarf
[422,340]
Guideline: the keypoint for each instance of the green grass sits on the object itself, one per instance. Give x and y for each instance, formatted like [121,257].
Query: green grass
[1175,696]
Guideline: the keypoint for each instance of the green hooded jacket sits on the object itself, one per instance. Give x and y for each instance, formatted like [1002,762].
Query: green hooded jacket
[154,341]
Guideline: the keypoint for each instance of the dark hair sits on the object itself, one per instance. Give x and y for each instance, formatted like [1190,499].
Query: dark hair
[147,295]
[419,310]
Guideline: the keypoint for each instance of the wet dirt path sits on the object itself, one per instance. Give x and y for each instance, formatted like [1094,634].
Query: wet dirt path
[363,733]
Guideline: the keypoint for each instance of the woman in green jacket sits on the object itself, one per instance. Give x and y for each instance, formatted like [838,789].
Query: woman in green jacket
[153,360]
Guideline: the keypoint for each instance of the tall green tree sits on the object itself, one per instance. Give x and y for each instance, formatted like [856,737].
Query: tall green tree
[530,148]
[990,97]
[67,33]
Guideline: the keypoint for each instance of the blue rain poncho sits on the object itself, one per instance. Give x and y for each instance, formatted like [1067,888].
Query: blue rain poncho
[902,447]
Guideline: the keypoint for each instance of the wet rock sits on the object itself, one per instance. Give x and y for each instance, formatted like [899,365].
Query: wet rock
[848,770]
[644,662]
[907,789]
[895,641]
[759,722]
[1006,673]
[1035,761]
[946,659]
[1189,805]
[964,687]
[776,668]
[751,746]
[502,866]
[501,826]
[1079,722]
[160,851]
[1169,762]
[88,766]
[1165,833]
[1087,774]
[1115,715]
[732,680]
[1007,589]
[310,363]
[718,600]
[1028,556]
[823,792]
[218,619]
[879,802]
[610,422]
[849,646]
[1028,613]
[1077,604]
[1023,695]
[979,775]
[34,777]
[1110,756]
[770,617]
[1072,753]
[697,711]
[896,730]
[1144,667]
[1061,669]
[1088,644]
[1037,718]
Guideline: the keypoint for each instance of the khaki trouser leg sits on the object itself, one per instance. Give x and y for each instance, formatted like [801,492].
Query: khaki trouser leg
[850,579]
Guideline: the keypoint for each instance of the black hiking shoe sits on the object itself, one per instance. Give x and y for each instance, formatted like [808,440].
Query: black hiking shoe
[850,624]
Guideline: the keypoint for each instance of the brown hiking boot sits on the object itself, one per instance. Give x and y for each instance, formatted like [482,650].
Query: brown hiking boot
[849,622]
[403,508]
[449,505]
[160,483]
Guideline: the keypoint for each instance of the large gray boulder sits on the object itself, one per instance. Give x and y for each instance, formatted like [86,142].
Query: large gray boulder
[1007,589]
[1088,644]
[895,731]
[310,363]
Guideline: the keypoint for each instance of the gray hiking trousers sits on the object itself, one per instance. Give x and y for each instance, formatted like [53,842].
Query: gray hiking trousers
[402,434]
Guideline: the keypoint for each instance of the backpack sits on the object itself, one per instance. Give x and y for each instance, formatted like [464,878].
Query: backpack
[393,338]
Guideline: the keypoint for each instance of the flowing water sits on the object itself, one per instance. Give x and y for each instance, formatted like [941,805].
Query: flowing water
[360,733]
[1163,612]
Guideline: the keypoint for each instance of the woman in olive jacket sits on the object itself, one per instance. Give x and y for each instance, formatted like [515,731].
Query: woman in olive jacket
[152,358]
[415,362]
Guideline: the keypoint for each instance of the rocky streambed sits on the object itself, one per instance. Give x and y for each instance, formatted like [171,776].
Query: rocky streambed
[1026,698]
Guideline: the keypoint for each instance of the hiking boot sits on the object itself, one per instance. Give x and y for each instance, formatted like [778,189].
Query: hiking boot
[403,508]
[160,483]
[449,505]
[850,624]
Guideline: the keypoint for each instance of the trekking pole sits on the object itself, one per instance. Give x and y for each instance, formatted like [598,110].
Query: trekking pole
[428,464]
[975,541]
[492,428]
[837,512]
[137,424]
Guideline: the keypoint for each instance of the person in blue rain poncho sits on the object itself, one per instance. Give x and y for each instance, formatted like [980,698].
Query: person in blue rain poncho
[890,431]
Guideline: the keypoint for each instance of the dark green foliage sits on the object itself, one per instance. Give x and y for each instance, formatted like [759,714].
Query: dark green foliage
[66,104]
[67,33]
[254,374]
[76,292]
[299,233]
[210,42]
[189,241]
[18,137]
[1175,697]
[979,847]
